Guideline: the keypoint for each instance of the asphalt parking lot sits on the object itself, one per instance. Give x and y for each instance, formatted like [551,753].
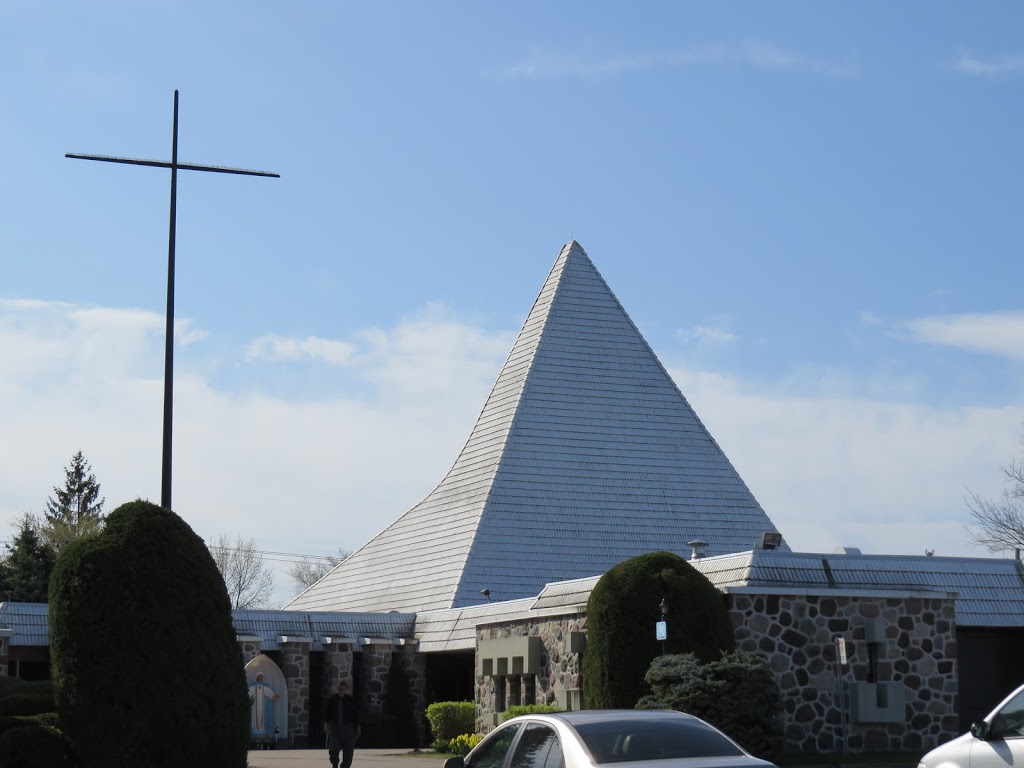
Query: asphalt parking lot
[364,758]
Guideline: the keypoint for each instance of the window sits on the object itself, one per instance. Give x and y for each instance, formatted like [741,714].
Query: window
[618,742]
[493,749]
[1009,722]
[537,748]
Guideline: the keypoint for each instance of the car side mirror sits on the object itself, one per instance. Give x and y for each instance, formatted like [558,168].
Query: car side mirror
[455,762]
[979,730]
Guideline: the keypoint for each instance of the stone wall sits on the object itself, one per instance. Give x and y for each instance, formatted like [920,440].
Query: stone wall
[559,680]
[337,667]
[294,662]
[377,661]
[5,650]
[339,664]
[250,650]
[901,680]
[900,683]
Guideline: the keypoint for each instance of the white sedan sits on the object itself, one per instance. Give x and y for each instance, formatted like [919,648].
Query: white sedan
[587,738]
[995,742]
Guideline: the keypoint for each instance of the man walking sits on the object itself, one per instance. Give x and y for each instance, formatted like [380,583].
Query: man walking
[341,721]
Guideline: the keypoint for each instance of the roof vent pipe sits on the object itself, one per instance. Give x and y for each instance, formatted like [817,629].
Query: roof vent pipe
[697,548]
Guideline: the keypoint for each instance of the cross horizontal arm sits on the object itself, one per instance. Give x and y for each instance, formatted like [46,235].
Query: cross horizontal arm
[179,166]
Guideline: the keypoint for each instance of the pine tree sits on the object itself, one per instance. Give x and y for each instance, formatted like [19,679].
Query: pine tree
[25,571]
[74,510]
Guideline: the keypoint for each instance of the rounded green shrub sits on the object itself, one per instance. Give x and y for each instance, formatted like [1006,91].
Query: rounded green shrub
[449,719]
[622,612]
[25,697]
[737,693]
[34,746]
[145,664]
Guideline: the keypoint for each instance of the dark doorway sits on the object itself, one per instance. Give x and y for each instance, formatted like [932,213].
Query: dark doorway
[29,663]
[990,667]
[317,697]
[450,677]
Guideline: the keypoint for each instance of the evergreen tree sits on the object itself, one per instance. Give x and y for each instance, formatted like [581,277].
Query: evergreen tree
[25,571]
[75,510]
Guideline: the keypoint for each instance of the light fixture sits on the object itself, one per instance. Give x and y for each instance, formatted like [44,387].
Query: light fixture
[663,607]
[486,593]
[771,540]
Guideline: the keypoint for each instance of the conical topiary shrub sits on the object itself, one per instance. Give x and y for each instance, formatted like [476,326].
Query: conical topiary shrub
[622,612]
[145,663]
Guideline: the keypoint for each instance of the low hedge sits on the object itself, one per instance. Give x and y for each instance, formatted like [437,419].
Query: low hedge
[449,719]
[34,746]
[24,697]
[529,709]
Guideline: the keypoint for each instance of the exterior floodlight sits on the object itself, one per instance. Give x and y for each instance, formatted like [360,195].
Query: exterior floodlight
[771,540]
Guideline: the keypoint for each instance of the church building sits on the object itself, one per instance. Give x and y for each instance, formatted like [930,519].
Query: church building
[585,454]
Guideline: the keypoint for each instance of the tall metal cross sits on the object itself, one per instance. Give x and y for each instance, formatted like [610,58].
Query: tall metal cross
[175,166]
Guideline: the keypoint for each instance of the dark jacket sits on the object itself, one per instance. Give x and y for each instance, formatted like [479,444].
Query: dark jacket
[341,709]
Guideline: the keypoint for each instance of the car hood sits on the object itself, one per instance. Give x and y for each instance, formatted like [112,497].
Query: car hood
[956,751]
[701,762]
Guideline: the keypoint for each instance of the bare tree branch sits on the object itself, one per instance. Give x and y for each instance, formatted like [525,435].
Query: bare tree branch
[249,580]
[999,524]
[307,572]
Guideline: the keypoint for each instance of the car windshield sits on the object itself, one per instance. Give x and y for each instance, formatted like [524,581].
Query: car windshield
[619,741]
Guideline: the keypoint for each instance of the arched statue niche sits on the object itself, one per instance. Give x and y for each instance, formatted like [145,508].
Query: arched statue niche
[268,701]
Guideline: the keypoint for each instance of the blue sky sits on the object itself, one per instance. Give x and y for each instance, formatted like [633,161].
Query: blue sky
[811,211]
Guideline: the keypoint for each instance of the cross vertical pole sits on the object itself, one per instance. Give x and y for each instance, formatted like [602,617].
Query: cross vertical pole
[174,165]
[165,475]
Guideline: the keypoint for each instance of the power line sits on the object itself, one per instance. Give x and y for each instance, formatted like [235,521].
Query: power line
[276,557]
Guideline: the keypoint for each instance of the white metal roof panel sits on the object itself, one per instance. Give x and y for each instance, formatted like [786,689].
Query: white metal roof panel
[455,629]
[990,591]
[566,594]
[29,623]
[270,626]
[585,454]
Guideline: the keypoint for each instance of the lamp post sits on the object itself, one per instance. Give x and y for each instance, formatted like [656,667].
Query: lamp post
[661,629]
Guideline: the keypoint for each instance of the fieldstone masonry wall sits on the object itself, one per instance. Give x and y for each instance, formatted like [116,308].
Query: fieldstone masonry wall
[561,667]
[339,664]
[250,650]
[295,665]
[901,646]
[337,667]
[376,662]
[905,645]
[907,641]
[5,650]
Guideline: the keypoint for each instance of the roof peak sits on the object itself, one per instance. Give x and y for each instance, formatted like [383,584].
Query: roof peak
[585,454]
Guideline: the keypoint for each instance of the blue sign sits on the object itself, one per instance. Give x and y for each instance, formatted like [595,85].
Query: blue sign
[661,629]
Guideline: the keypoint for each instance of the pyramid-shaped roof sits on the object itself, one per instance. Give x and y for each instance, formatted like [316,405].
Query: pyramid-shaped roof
[585,454]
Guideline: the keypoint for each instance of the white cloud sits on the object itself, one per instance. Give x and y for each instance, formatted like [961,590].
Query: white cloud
[706,334]
[279,348]
[996,333]
[311,476]
[302,477]
[540,63]
[991,67]
[885,476]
